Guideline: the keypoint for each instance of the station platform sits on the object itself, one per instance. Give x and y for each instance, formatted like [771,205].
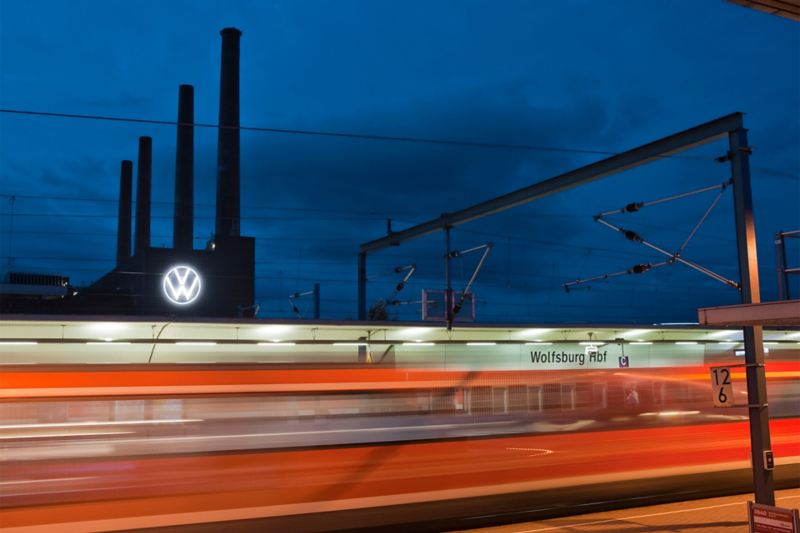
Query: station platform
[715,515]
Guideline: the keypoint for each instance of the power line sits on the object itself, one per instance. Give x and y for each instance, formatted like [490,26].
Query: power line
[339,134]
[317,133]
[199,217]
[202,204]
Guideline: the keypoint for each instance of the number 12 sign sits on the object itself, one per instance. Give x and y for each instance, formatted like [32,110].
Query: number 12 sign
[721,386]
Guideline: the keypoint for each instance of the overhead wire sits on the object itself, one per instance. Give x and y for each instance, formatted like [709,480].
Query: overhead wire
[335,134]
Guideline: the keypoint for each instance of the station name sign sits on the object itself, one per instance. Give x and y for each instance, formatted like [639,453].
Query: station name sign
[569,358]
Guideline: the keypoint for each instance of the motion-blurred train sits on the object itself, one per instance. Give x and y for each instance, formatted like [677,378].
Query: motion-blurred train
[335,446]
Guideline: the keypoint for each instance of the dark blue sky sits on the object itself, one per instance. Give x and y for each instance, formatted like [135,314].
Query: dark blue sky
[579,74]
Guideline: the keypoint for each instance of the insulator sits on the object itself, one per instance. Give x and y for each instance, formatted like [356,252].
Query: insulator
[640,268]
[631,235]
[632,207]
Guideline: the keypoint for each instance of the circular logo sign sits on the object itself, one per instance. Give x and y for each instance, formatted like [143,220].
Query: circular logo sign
[182,285]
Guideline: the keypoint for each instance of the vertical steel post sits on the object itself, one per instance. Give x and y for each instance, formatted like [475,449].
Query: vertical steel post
[783,267]
[448,291]
[362,285]
[316,301]
[739,154]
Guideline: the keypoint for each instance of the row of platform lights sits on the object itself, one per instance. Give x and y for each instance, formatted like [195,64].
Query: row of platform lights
[107,342]
[277,342]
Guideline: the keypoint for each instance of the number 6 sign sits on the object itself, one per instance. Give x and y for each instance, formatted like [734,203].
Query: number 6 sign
[721,387]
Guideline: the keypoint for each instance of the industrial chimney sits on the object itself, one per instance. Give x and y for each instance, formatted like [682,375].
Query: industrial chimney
[124,216]
[227,223]
[183,224]
[142,237]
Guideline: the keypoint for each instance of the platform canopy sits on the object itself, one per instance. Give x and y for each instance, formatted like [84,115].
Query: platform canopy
[789,9]
[783,313]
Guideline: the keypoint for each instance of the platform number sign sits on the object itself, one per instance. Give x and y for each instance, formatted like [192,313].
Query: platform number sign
[722,387]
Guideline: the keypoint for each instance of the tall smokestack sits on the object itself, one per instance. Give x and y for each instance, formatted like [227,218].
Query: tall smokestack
[183,224]
[124,216]
[227,224]
[142,237]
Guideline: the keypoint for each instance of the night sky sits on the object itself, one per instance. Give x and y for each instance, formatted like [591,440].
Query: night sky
[586,76]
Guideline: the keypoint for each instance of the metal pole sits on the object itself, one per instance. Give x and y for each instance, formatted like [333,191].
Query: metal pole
[362,286]
[448,291]
[763,482]
[783,274]
[316,301]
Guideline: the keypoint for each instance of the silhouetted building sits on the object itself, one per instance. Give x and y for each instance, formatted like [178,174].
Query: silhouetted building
[218,281]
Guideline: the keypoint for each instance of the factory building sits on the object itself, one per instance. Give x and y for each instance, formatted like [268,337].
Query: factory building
[218,281]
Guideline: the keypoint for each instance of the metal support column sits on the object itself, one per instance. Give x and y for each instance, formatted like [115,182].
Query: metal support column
[739,154]
[783,267]
[448,290]
[362,285]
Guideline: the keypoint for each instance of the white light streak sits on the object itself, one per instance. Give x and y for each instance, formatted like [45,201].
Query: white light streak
[101,423]
[276,343]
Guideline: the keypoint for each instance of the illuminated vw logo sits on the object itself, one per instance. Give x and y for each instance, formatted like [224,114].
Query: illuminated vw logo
[182,285]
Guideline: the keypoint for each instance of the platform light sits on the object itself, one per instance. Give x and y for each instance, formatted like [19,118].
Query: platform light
[274,330]
[196,343]
[106,343]
[350,344]
[413,332]
[538,343]
[276,343]
[419,343]
[686,343]
[635,333]
[535,332]
[107,327]
[728,343]
[723,333]
[481,344]
[641,343]
[107,340]
[592,343]
[17,343]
